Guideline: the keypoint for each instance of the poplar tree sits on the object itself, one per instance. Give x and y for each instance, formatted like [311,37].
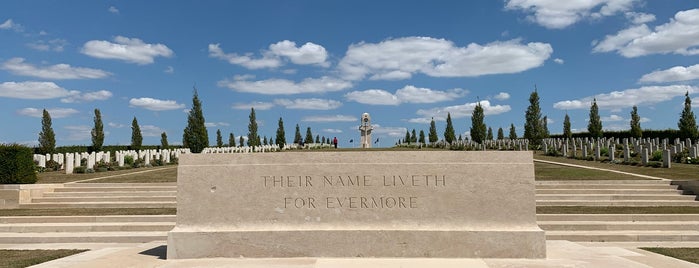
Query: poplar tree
[566,127]
[688,122]
[433,136]
[136,137]
[489,136]
[422,137]
[97,132]
[407,138]
[478,128]
[281,135]
[513,132]
[635,123]
[253,137]
[545,127]
[231,140]
[163,141]
[241,141]
[195,136]
[449,135]
[501,134]
[594,126]
[264,141]
[309,135]
[47,138]
[317,138]
[297,135]
[532,123]
[219,138]
[413,136]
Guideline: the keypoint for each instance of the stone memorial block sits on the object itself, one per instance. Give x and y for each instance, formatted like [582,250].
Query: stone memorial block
[69,163]
[460,204]
[667,159]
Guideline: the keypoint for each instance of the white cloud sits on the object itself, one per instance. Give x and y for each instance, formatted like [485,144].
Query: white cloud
[678,36]
[33,90]
[556,14]
[151,131]
[407,94]
[308,53]
[458,111]
[400,58]
[396,132]
[131,50]
[502,96]
[612,118]
[155,104]
[309,104]
[558,60]
[674,74]
[286,87]
[247,61]
[54,112]
[330,118]
[115,125]
[628,98]
[216,124]
[11,25]
[56,45]
[169,70]
[59,71]
[639,17]
[113,10]
[332,130]
[258,105]
[78,133]
[88,96]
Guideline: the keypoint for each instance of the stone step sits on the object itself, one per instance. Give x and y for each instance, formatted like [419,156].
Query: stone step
[82,237]
[74,227]
[613,197]
[617,217]
[163,204]
[622,236]
[116,189]
[87,219]
[100,194]
[79,185]
[608,191]
[607,186]
[105,199]
[588,182]
[618,226]
[618,203]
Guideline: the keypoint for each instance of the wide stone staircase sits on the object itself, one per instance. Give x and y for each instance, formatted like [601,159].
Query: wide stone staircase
[573,227]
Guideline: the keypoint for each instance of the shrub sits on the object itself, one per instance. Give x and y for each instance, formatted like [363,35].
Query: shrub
[656,156]
[52,165]
[16,164]
[128,160]
[79,170]
[654,164]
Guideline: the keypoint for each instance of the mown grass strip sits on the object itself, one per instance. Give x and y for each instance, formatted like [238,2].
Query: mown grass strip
[24,258]
[687,254]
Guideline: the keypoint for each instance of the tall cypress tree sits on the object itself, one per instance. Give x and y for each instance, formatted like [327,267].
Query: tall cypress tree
[545,127]
[195,136]
[97,132]
[407,137]
[449,134]
[433,136]
[281,135]
[413,136]
[309,135]
[219,138]
[501,134]
[489,136]
[688,122]
[635,123]
[297,135]
[317,138]
[478,128]
[253,137]
[422,137]
[136,138]
[241,141]
[231,140]
[594,126]
[566,127]
[532,123]
[513,132]
[264,141]
[47,138]
[163,141]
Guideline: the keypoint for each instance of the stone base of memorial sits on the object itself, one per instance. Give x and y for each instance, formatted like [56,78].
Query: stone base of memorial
[357,204]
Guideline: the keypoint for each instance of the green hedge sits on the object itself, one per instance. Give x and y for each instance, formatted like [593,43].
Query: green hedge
[16,164]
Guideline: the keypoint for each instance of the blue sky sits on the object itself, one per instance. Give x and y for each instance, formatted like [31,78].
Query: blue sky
[321,64]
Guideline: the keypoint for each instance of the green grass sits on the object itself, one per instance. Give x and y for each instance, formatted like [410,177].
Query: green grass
[61,177]
[88,211]
[546,171]
[676,172]
[616,210]
[162,174]
[24,258]
[687,254]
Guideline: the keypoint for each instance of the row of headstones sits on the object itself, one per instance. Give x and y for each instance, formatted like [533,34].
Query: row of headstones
[263,148]
[643,147]
[69,161]
[500,145]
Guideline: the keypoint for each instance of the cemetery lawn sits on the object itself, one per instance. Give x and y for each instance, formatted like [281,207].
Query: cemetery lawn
[87,212]
[546,171]
[687,254]
[615,210]
[153,174]
[676,172]
[24,258]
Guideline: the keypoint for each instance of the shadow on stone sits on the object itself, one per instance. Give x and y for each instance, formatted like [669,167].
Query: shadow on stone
[159,251]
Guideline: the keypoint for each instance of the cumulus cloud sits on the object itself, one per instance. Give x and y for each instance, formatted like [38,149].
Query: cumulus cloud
[59,71]
[11,25]
[78,133]
[554,14]
[56,45]
[309,104]
[115,125]
[258,105]
[330,118]
[286,87]
[151,131]
[131,50]
[395,132]
[458,111]
[155,104]
[88,96]
[216,124]
[400,58]
[407,94]
[612,118]
[639,17]
[308,53]
[678,36]
[33,90]
[628,98]
[54,112]
[502,96]
[332,130]
[558,60]
[674,74]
